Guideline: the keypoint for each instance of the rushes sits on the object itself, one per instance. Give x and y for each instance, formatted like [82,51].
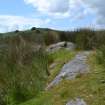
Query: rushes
[100,55]
[23,70]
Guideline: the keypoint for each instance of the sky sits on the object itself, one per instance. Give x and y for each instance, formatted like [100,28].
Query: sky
[55,14]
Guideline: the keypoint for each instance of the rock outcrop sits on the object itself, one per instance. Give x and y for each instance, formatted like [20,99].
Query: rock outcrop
[72,69]
[60,45]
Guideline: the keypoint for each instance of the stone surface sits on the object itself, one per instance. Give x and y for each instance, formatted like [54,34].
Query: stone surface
[60,45]
[74,67]
[78,101]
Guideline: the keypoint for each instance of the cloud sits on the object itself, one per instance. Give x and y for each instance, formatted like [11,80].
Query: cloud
[73,9]
[98,8]
[11,23]
[58,8]
[51,6]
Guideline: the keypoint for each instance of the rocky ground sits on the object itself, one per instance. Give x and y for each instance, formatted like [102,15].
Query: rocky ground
[70,71]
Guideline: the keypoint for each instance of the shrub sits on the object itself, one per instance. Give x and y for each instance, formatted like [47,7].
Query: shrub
[51,37]
[63,36]
[16,31]
[85,39]
[37,31]
[33,28]
[100,55]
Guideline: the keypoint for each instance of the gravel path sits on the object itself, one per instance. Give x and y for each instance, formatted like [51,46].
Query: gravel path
[70,70]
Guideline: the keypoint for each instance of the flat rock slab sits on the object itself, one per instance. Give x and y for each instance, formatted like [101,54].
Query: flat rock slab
[60,45]
[77,102]
[73,68]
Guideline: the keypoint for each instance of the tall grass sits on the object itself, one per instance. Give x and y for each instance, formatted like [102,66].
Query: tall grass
[23,70]
[24,63]
[100,55]
[51,37]
[85,39]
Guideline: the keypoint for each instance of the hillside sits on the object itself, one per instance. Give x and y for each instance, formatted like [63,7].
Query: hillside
[88,88]
[51,67]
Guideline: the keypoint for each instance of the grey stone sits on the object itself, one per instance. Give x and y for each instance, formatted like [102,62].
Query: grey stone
[74,67]
[78,101]
[60,45]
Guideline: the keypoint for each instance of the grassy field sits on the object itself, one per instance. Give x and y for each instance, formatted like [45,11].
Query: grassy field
[60,57]
[90,87]
[24,71]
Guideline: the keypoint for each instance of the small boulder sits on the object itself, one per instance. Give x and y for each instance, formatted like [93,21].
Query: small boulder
[78,101]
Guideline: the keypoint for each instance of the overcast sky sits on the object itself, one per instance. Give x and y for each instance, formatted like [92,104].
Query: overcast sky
[56,14]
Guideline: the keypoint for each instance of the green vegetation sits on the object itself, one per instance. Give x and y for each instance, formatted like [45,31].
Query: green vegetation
[90,87]
[59,58]
[84,38]
[51,37]
[100,55]
[25,72]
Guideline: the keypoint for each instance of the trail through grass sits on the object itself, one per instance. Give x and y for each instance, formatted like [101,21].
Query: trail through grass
[90,87]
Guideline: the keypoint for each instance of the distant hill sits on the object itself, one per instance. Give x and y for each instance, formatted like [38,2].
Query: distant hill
[84,38]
